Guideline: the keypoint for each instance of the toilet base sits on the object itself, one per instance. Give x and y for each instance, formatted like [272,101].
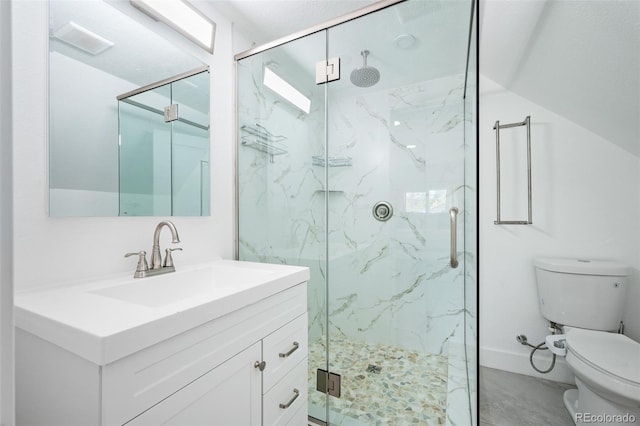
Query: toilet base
[570,398]
[587,407]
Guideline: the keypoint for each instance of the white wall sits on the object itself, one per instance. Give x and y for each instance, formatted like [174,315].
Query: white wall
[51,251]
[84,125]
[6,226]
[585,204]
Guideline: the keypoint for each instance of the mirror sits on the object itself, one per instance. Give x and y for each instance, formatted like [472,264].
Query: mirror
[164,149]
[111,152]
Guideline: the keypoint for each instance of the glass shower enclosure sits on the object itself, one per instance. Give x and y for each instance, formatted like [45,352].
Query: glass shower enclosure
[163,148]
[356,157]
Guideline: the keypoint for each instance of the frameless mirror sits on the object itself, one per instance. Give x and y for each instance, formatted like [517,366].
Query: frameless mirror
[128,117]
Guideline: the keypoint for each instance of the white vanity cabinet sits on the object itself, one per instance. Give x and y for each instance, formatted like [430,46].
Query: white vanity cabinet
[227,395]
[238,393]
[208,375]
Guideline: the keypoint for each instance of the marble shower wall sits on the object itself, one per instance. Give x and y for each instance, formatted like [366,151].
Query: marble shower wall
[389,282]
[281,213]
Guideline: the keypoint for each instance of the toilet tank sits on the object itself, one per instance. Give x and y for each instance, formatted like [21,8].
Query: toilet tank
[582,293]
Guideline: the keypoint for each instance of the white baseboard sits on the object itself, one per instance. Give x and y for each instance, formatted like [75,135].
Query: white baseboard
[519,363]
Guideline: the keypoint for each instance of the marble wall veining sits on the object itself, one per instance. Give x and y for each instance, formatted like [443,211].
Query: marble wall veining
[394,285]
[390,282]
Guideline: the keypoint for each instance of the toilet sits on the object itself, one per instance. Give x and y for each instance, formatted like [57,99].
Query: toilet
[585,299]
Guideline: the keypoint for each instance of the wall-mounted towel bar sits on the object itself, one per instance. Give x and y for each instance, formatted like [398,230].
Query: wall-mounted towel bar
[497,127]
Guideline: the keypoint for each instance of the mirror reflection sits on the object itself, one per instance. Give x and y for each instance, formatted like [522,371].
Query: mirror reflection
[164,150]
[111,152]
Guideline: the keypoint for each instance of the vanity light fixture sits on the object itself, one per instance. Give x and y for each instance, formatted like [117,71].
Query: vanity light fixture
[276,83]
[182,17]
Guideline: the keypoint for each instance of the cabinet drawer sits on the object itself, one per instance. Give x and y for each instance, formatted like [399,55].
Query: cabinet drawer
[300,418]
[282,404]
[284,349]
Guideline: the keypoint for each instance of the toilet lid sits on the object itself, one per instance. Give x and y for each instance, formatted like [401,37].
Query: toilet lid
[613,353]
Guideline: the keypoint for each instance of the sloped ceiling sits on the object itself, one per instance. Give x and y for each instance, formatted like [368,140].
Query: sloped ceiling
[580,59]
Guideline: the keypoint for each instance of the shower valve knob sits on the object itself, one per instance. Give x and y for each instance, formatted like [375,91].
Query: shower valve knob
[382,211]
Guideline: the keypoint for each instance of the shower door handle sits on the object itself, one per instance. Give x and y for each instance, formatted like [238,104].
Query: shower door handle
[453,215]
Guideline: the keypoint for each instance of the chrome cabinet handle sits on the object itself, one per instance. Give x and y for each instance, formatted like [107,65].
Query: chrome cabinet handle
[296,345]
[296,394]
[453,214]
[260,365]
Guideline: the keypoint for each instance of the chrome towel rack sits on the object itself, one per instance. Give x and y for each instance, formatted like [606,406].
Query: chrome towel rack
[497,127]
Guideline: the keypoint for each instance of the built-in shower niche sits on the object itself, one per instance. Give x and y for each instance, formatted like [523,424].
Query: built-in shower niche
[322,161]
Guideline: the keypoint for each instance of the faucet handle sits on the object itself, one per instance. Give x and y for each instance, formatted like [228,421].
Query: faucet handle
[142,266]
[168,259]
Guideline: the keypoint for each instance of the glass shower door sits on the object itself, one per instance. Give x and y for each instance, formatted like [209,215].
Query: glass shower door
[281,192]
[362,179]
[190,178]
[164,149]
[145,154]
[395,166]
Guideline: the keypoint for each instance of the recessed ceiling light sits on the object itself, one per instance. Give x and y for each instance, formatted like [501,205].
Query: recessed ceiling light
[405,41]
[81,38]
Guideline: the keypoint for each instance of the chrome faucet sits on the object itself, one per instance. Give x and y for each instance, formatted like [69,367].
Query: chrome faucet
[156,257]
[157,266]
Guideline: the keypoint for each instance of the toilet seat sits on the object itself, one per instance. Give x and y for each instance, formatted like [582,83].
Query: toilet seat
[607,363]
[613,354]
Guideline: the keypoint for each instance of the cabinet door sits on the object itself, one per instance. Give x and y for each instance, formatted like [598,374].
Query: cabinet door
[230,394]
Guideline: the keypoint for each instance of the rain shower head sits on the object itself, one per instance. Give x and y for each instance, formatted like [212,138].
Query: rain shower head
[366,76]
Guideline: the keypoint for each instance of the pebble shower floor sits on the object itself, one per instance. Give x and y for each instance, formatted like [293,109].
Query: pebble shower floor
[410,387]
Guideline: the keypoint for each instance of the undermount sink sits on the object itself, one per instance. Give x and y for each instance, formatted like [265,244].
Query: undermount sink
[177,287]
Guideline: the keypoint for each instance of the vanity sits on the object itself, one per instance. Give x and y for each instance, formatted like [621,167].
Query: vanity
[221,343]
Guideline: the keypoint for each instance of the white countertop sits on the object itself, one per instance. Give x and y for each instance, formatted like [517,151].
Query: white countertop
[105,320]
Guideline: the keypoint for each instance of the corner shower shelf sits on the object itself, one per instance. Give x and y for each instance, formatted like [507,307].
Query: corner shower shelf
[319,160]
[259,138]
